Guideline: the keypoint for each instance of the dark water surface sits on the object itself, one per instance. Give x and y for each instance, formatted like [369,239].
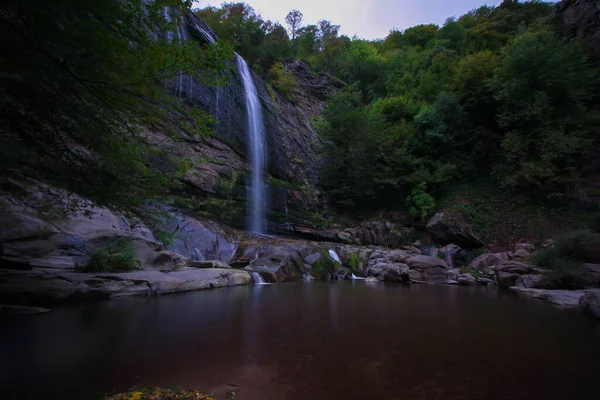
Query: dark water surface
[349,340]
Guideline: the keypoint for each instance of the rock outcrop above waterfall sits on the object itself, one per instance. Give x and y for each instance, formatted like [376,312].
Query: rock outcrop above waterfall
[581,18]
[450,227]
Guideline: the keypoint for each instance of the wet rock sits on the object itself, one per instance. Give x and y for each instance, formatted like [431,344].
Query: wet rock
[524,246]
[39,285]
[590,303]
[529,281]
[485,261]
[427,269]
[522,253]
[562,298]
[466,279]
[389,272]
[548,243]
[593,271]
[453,274]
[485,281]
[450,227]
[507,272]
[341,273]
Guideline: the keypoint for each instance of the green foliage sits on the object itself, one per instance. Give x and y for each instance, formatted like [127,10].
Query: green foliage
[81,86]
[564,259]
[494,95]
[353,262]
[420,203]
[543,85]
[117,256]
[282,80]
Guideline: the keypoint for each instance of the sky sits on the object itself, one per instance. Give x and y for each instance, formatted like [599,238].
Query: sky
[368,19]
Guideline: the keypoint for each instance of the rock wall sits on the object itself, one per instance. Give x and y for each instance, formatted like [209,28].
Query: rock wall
[292,158]
[581,18]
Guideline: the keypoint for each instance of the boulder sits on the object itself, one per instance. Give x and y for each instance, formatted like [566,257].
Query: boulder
[507,272]
[524,246]
[522,253]
[466,279]
[428,269]
[485,261]
[389,272]
[529,281]
[449,227]
[590,304]
[593,271]
[485,281]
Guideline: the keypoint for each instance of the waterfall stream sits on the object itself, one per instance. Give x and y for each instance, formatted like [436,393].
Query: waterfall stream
[255,127]
[257,279]
[335,256]
[257,149]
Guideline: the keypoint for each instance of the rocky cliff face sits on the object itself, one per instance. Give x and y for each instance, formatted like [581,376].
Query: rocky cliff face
[292,157]
[581,18]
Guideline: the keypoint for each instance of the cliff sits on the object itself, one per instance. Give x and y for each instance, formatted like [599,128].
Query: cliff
[221,161]
[581,18]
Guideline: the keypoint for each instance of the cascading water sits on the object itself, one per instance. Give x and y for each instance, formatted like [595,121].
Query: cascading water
[255,125]
[335,256]
[257,150]
[257,279]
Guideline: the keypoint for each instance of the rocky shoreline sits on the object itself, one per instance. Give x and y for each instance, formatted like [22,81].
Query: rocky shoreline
[43,260]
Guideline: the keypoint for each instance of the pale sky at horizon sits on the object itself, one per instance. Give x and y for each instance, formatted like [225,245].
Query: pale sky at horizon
[369,19]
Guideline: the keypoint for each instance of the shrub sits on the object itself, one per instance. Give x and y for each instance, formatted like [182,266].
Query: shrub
[581,245]
[283,81]
[117,256]
[563,261]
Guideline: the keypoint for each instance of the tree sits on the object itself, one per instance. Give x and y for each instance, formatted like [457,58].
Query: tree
[543,85]
[79,86]
[294,20]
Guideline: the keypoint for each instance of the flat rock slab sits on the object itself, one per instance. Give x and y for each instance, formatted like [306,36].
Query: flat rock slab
[562,298]
[43,285]
[13,310]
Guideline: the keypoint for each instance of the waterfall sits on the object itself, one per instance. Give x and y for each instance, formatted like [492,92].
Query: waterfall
[356,278]
[257,150]
[335,256]
[257,279]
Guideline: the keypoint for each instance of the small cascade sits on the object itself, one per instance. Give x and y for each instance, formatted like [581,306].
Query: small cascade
[357,278]
[335,256]
[257,150]
[257,279]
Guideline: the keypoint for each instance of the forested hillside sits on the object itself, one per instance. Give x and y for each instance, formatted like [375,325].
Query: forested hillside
[495,96]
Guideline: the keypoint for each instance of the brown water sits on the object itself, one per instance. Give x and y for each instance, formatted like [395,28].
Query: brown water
[349,340]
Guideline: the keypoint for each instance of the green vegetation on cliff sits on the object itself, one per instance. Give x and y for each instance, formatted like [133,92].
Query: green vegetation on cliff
[497,94]
[81,83]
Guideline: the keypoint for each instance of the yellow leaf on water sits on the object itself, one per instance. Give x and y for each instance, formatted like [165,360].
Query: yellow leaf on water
[136,396]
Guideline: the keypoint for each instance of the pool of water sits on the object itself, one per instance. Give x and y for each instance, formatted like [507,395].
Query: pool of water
[348,340]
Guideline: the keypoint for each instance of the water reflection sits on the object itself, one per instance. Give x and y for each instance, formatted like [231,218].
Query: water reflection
[348,340]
